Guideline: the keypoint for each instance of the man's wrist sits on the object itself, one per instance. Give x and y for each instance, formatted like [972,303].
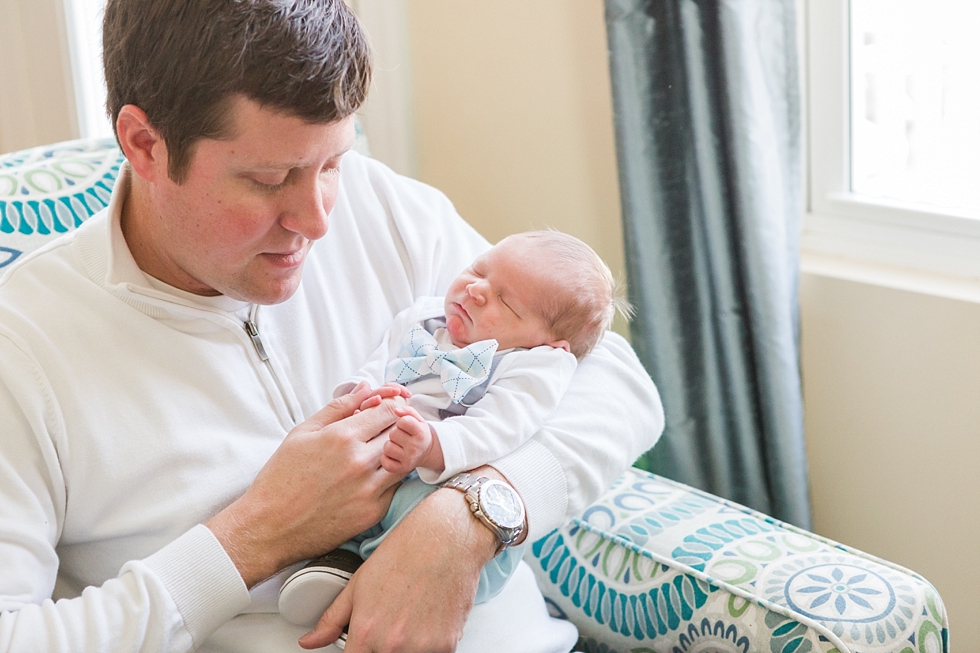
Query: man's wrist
[497,475]
[242,547]
[482,542]
[493,503]
[248,535]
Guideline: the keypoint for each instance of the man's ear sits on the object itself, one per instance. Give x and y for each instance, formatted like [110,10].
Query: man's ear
[143,145]
[561,344]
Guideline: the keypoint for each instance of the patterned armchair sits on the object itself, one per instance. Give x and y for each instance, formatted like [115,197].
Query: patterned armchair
[654,566]
[659,566]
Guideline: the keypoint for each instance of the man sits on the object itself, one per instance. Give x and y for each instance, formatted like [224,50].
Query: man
[165,367]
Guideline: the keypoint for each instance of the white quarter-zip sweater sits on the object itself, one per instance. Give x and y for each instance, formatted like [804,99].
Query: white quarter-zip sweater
[130,414]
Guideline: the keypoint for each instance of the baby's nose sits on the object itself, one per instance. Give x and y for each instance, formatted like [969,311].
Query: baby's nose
[478,293]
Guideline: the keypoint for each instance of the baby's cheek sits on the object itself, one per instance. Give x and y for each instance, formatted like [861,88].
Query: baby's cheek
[456,329]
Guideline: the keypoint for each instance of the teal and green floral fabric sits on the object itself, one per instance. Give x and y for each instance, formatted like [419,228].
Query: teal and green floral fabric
[658,566]
[48,191]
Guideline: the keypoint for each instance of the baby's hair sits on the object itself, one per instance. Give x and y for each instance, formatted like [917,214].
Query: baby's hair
[589,298]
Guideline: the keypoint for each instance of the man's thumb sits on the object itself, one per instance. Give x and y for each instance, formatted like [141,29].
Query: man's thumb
[332,623]
[343,406]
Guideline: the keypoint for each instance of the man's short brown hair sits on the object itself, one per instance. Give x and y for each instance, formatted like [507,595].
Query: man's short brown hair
[183,61]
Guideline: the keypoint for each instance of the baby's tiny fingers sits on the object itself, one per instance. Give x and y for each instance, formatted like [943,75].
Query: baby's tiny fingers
[408,411]
[371,402]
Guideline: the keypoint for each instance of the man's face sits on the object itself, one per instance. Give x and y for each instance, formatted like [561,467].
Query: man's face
[500,297]
[249,210]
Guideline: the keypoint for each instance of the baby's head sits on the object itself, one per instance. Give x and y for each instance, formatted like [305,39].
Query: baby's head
[534,288]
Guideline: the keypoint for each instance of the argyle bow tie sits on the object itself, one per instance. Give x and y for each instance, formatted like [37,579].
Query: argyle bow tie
[460,370]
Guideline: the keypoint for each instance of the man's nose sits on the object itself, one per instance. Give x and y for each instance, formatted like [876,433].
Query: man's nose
[307,211]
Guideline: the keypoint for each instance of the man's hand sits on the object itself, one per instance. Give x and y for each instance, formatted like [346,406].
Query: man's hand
[411,443]
[415,591]
[323,485]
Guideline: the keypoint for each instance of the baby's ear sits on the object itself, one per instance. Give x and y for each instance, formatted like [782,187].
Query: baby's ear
[561,344]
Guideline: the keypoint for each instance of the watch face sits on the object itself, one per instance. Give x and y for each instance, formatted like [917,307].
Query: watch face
[501,504]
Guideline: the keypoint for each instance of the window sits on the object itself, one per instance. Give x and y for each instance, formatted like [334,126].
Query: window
[915,102]
[893,90]
[83,20]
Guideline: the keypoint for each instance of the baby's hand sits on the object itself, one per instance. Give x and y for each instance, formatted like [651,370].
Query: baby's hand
[386,391]
[411,443]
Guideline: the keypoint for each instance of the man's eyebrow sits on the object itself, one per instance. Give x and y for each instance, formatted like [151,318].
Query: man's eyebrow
[277,166]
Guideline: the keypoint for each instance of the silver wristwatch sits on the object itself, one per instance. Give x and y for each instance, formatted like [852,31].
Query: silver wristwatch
[495,503]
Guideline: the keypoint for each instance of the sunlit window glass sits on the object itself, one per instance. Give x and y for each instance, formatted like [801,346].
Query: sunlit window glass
[915,102]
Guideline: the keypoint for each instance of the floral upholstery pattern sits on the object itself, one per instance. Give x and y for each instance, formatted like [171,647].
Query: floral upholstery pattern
[653,566]
[48,191]
[658,566]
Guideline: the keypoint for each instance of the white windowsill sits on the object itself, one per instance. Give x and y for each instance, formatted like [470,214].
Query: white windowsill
[939,244]
[893,244]
[890,276]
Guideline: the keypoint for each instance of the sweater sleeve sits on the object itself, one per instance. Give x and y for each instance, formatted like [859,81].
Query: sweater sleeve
[170,601]
[523,393]
[610,414]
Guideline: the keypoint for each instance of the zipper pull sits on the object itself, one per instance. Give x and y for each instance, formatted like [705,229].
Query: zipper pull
[253,332]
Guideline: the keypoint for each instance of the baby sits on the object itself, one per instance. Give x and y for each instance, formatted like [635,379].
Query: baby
[481,370]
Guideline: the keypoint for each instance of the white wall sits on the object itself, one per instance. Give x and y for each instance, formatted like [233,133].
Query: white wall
[36,105]
[891,383]
[513,116]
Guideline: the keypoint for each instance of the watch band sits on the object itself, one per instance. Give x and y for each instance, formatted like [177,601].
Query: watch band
[464,481]
[471,486]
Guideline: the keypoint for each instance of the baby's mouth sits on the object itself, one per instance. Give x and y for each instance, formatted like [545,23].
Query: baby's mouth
[463,312]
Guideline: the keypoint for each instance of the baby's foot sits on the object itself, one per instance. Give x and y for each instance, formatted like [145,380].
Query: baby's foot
[307,594]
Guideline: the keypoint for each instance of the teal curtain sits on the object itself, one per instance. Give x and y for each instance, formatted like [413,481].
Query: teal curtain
[708,127]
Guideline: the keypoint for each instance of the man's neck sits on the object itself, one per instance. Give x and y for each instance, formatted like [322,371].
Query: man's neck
[138,220]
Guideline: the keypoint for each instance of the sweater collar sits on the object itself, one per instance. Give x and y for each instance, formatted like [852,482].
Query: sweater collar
[119,269]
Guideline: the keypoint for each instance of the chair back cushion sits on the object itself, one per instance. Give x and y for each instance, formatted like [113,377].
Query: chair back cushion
[48,191]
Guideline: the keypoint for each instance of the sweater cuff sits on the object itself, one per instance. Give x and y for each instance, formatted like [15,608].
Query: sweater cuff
[202,580]
[453,457]
[538,477]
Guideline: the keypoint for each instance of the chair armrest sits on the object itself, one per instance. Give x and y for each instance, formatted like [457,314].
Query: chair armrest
[656,565]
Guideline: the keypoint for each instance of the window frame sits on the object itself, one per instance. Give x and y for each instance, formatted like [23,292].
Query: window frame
[850,232]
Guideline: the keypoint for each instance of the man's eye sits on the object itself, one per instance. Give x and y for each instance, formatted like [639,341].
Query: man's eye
[269,185]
